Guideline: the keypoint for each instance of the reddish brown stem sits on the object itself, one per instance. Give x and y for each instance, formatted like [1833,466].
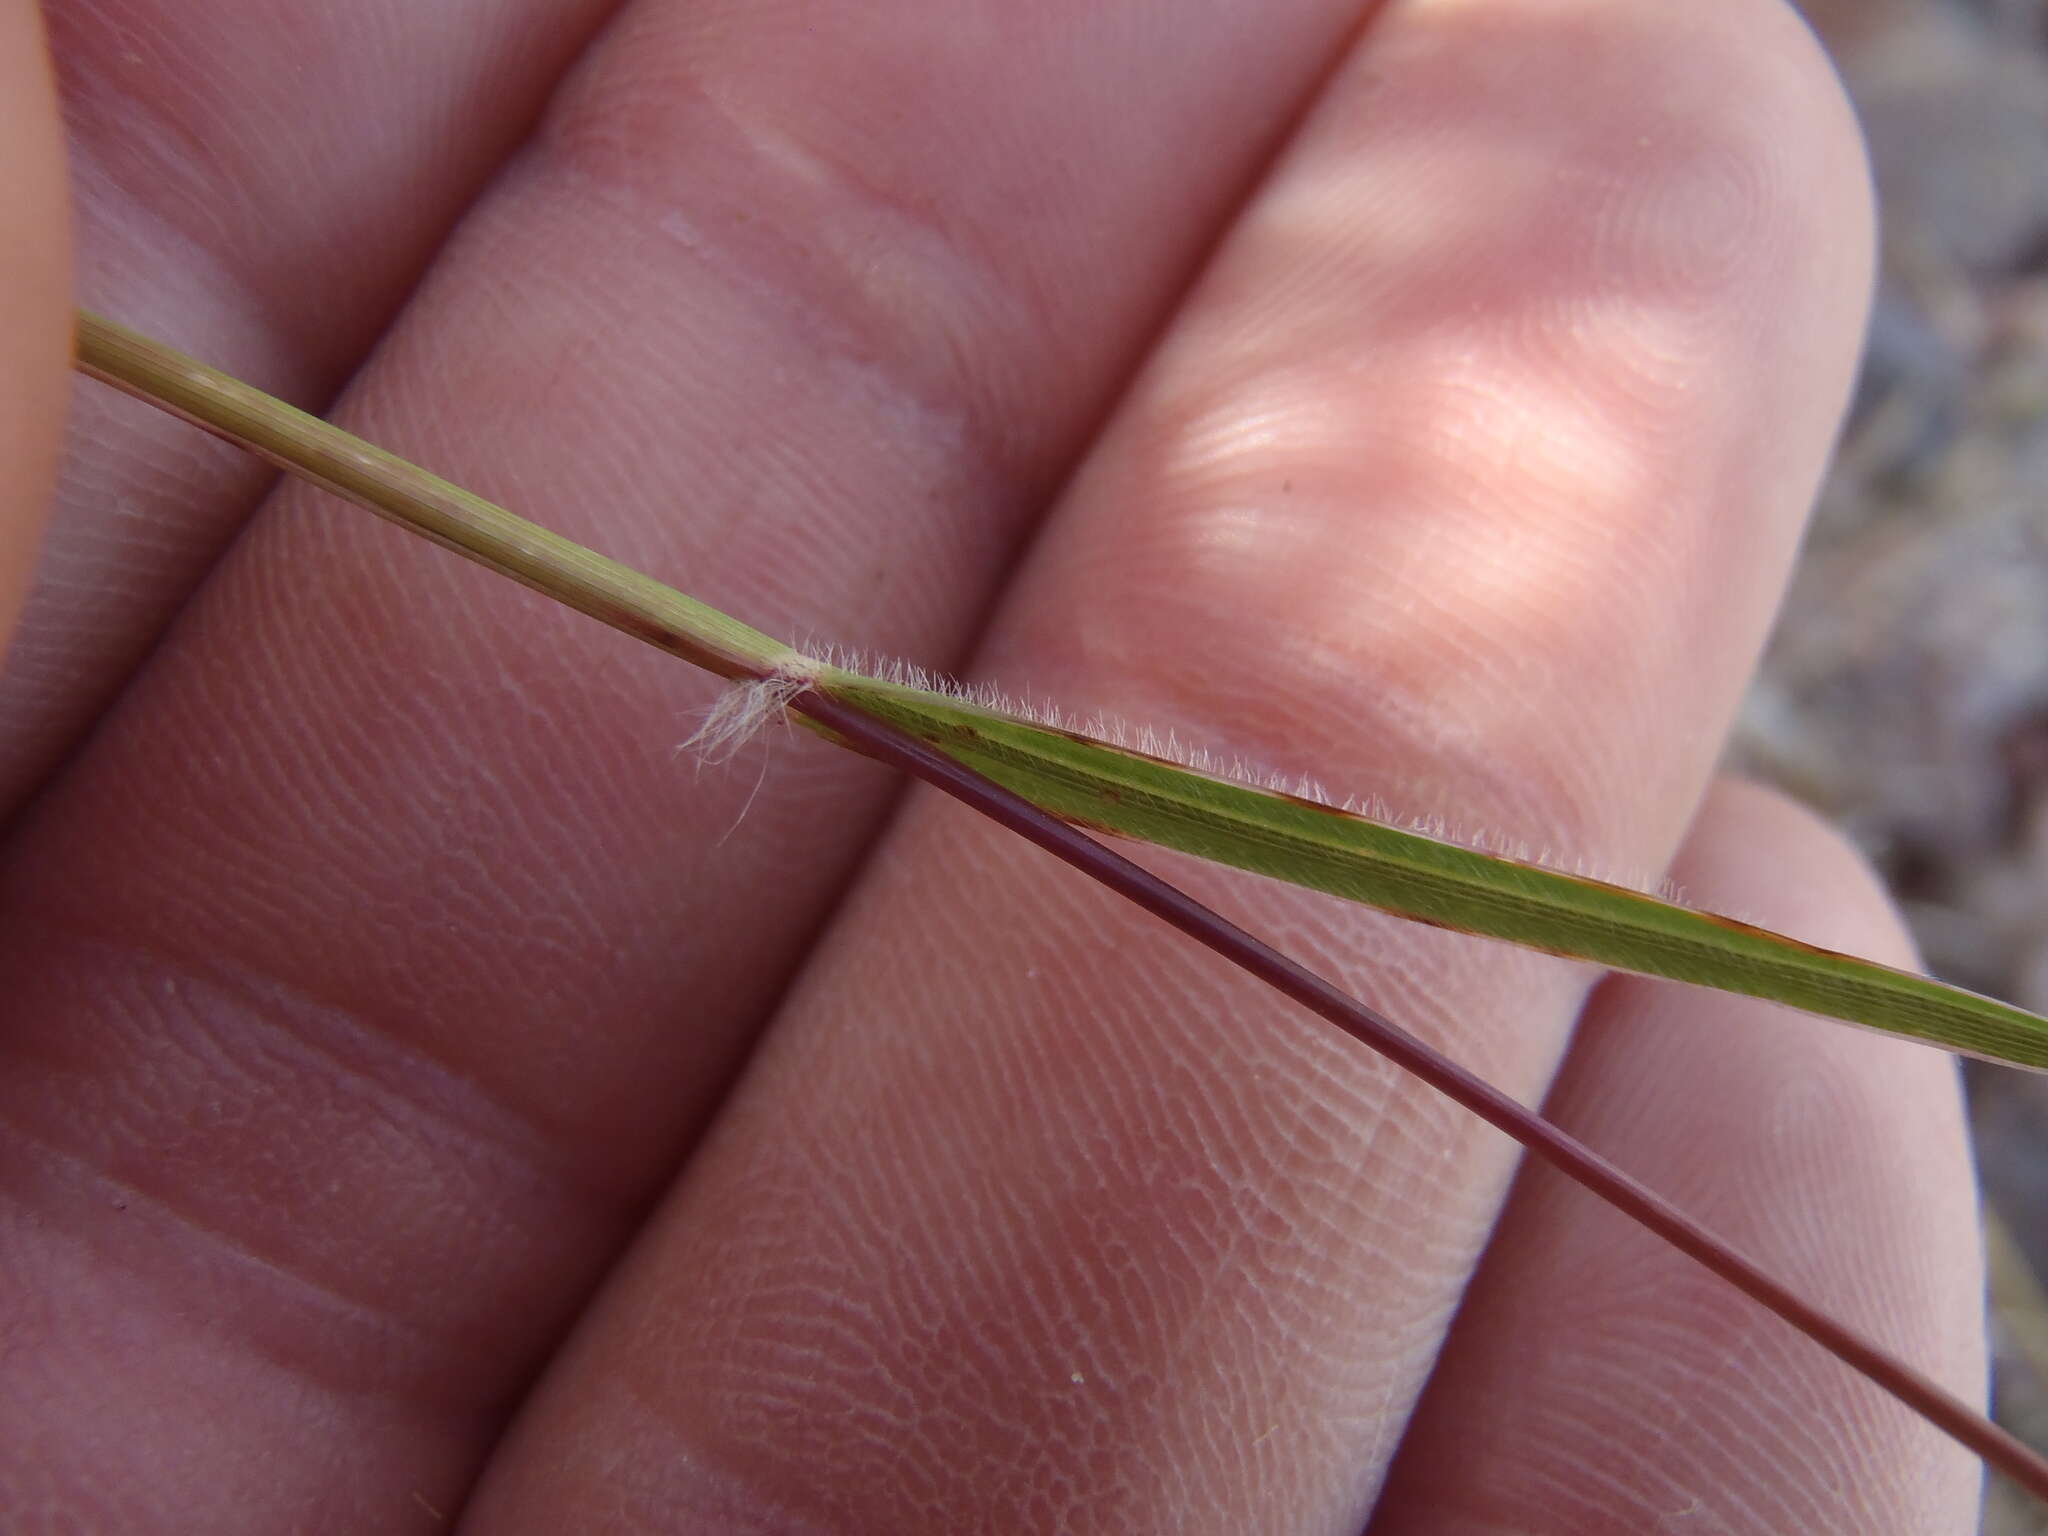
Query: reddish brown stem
[1571,1157]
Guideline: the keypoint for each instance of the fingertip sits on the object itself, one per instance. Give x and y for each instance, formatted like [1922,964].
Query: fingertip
[35,298]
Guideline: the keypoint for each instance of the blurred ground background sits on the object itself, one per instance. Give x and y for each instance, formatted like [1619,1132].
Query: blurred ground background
[1906,690]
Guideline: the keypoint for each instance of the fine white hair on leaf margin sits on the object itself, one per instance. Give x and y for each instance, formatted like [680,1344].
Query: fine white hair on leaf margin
[747,709]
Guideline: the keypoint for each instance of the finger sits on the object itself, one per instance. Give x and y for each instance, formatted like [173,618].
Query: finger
[260,187]
[35,302]
[1597,1382]
[1468,476]
[347,1054]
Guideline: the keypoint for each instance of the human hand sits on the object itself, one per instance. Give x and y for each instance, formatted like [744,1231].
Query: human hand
[375,970]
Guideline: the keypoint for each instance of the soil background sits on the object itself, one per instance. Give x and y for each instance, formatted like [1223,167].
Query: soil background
[1905,692]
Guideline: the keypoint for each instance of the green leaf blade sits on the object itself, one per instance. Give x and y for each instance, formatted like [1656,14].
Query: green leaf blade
[1112,789]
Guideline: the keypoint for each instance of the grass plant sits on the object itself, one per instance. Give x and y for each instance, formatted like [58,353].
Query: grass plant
[1054,784]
